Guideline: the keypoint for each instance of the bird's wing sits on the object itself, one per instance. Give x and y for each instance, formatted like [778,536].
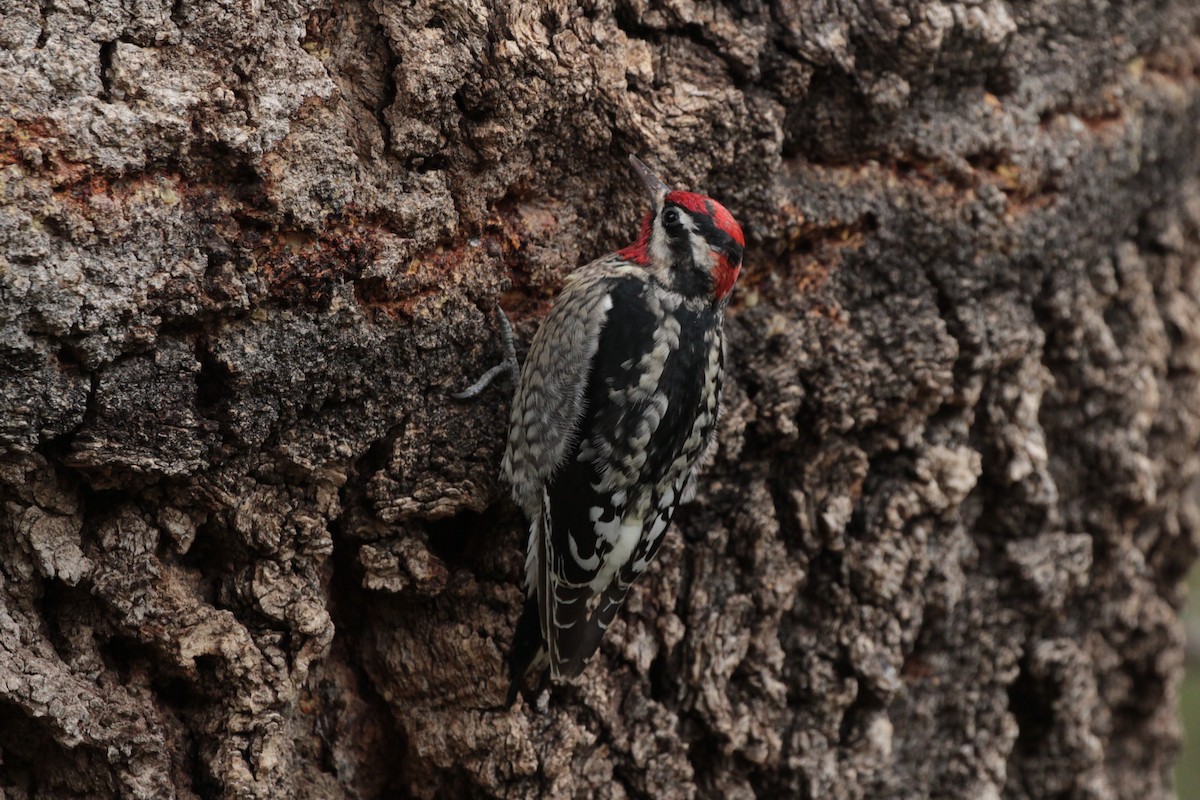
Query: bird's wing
[548,405]
[586,532]
[604,515]
[590,441]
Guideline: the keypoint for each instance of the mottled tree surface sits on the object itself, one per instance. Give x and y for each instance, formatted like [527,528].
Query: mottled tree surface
[249,548]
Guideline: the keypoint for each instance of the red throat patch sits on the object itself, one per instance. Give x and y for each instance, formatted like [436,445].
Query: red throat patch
[726,275]
[639,251]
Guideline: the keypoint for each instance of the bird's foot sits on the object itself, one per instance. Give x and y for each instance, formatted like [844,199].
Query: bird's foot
[508,366]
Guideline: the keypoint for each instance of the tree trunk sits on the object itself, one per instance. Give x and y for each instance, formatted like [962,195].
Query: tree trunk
[250,548]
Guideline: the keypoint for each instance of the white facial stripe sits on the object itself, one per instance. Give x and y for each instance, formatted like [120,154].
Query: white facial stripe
[660,248]
[702,252]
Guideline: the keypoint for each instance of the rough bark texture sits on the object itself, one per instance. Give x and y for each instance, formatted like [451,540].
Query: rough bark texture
[250,549]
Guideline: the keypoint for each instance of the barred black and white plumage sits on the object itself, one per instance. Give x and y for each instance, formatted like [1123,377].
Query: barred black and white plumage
[617,401]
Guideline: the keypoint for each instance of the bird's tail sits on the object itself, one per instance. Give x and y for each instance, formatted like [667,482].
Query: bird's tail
[528,651]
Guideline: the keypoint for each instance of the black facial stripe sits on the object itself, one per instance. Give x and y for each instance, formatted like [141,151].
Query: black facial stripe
[714,236]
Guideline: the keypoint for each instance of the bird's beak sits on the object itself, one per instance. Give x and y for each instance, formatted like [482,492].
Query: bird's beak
[657,189]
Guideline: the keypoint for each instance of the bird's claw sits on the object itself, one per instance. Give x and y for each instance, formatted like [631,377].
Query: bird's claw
[508,366]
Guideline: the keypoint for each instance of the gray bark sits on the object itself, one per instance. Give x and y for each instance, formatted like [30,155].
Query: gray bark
[249,548]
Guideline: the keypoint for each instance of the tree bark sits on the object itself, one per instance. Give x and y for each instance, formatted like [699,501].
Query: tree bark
[250,548]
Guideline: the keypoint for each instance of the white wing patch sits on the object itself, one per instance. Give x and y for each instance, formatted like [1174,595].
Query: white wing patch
[531,554]
[622,535]
[667,500]
[545,575]
[591,562]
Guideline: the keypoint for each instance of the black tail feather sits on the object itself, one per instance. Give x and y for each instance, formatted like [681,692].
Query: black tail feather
[526,647]
[585,636]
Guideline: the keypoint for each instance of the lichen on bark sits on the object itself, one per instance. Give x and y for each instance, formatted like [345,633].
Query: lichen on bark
[250,548]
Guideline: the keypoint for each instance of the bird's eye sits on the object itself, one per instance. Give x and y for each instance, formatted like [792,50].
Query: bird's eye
[670,217]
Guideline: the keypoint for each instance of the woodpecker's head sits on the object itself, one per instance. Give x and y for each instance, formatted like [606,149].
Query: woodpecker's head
[691,242]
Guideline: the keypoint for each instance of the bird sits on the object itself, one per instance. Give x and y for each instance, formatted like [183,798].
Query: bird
[615,408]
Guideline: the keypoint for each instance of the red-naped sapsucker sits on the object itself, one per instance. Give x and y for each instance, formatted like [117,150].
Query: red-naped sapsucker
[617,403]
